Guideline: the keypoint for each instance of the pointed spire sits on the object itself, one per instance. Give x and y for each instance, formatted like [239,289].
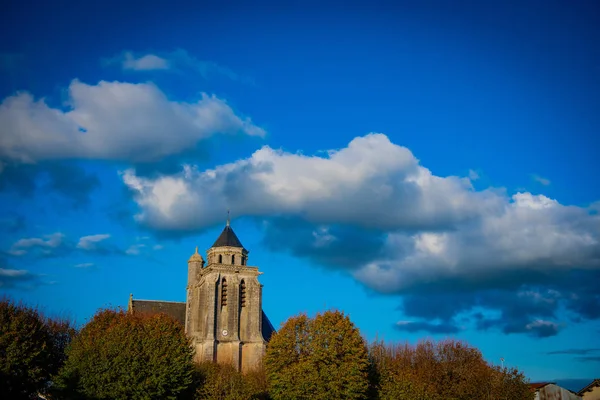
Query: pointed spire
[228,220]
[196,257]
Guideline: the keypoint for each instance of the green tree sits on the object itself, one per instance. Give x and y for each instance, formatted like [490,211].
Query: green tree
[119,355]
[31,349]
[224,382]
[320,358]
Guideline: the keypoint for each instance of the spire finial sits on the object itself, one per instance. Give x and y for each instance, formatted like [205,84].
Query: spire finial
[228,217]
[196,250]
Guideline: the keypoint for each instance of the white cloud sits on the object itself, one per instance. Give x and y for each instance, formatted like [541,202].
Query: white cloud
[89,242]
[437,228]
[17,278]
[473,175]
[541,180]
[372,183]
[22,246]
[112,121]
[134,249]
[532,233]
[84,265]
[144,63]
[178,61]
[13,273]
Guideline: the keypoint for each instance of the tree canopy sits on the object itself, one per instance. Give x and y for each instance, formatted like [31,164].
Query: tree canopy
[31,349]
[320,358]
[449,370]
[119,355]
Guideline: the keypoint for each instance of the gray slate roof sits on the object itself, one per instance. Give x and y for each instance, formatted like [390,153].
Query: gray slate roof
[267,327]
[228,238]
[171,308]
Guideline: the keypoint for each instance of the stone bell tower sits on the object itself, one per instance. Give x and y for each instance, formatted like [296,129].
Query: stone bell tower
[224,314]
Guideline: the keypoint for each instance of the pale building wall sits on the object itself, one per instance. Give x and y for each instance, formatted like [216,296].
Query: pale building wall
[593,395]
[554,392]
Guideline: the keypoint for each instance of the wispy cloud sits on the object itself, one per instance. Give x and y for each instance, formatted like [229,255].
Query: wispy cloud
[144,63]
[90,242]
[434,328]
[84,265]
[178,61]
[473,175]
[23,246]
[135,249]
[541,180]
[17,278]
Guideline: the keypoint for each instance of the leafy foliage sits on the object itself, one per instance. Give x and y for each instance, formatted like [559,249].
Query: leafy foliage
[320,358]
[119,355]
[31,349]
[223,382]
[447,369]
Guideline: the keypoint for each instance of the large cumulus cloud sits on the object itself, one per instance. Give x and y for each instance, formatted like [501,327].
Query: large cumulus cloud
[509,262]
[372,183]
[112,121]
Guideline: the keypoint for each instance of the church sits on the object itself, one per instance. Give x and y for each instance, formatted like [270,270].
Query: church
[223,312]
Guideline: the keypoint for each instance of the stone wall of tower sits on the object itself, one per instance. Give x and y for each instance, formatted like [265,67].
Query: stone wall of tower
[222,327]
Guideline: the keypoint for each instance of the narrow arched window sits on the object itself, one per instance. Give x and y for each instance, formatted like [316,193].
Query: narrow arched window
[243,294]
[220,259]
[243,260]
[233,259]
[223,292]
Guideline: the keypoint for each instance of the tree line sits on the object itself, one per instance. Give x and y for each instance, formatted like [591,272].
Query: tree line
[119,355]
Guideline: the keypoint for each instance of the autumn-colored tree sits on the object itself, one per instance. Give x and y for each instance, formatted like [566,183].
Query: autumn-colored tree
[509,384]
[320,358]
[447,369]
[31,349]
[120,355]
[224,382]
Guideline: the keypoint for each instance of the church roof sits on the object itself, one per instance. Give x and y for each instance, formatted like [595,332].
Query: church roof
[228,238]
[171,308]
[267,327]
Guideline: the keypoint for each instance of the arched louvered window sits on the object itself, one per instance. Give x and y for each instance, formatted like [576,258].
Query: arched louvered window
[233,259]
[243,294]
[243,260]
[220,259]
[223,292]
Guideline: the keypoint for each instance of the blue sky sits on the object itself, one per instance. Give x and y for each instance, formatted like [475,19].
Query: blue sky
[429,169]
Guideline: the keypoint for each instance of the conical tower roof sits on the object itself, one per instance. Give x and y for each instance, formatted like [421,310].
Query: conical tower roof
[228,238]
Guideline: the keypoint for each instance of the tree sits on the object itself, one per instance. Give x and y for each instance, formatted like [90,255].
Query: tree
[31,349]
[120,355]
[509,384]
[448,369]
[224,382]
[320,358]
